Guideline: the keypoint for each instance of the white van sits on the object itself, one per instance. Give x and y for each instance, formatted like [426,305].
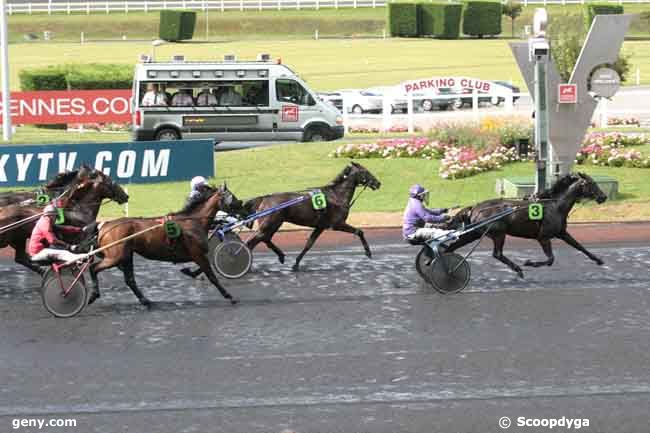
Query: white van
[228,101]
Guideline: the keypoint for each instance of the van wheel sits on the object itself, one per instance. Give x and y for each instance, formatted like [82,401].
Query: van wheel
[457,104]
[167,134]
[427,105]
[315,133]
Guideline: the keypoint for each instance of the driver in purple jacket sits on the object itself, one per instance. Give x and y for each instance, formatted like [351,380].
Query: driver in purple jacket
[416,215]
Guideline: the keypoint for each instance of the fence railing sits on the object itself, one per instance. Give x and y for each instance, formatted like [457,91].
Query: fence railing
[126,6]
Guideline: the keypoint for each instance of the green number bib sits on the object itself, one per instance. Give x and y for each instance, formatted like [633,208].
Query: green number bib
[42,199]
[172,229]
[318,201]
[535,211]
[60,217]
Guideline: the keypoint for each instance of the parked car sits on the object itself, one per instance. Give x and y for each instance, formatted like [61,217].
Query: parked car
[501,87]
[358,101]
[422,101]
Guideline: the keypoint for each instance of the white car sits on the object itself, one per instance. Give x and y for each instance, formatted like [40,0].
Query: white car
[358,101]
[426,100]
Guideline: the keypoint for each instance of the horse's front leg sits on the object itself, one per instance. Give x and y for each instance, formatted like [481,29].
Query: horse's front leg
[95,293]
[548,250]
[347,228]
[566,237]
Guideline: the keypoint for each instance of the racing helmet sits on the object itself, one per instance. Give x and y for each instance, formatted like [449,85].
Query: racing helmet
[197,181]
[419,192]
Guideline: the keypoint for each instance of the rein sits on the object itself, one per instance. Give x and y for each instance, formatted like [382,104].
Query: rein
[358,195]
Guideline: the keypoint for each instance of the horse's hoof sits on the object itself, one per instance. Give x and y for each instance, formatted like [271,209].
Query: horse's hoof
[295,268]
[281,259]
[599,262]
[369,254]
[188,272]
[93,297]
[234,301]
[146,302]
[520,274]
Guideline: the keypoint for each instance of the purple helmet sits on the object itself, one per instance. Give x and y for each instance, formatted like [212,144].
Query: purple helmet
[416,190]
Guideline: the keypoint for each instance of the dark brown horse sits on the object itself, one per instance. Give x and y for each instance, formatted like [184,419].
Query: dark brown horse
[339,195]
[83,199]
[557,202]
[192,245]
[52,189]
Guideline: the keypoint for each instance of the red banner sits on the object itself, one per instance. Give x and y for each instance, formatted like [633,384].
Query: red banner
[74,106]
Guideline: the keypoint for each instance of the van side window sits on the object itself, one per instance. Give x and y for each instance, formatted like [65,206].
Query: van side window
[292,91]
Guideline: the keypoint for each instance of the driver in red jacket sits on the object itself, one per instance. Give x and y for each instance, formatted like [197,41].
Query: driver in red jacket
[42,242]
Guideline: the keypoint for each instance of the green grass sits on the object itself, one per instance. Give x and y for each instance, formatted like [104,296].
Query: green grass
[253,24]
[325,64]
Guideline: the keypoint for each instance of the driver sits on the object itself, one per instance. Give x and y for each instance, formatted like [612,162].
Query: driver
[198,185]
[416,215]
[42,242]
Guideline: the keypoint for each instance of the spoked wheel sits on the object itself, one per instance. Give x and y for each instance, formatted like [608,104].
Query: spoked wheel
[56,301]
[232,258]
[422,261]
[449,273]
[213,243]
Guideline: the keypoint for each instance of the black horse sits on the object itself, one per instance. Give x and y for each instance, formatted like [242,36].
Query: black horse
[557,202]
[53,188]
[338,193]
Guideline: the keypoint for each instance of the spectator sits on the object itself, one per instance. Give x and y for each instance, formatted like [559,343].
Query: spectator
[206,99]
[230,97]
[183,98]
[153,96]
[168,96]
[254,96]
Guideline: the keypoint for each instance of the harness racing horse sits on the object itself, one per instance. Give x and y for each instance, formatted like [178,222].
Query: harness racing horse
[191,246]
[557,202]
[338,194]
[55,187]
[82,200]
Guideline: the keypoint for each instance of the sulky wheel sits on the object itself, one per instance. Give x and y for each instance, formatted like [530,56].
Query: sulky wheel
[422,260]
[56,301]
[232,258]
[449,273]
[214,242]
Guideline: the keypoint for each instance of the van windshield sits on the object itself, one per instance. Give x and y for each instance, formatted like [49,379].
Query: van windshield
[204,93]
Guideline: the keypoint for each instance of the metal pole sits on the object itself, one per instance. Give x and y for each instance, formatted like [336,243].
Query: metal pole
[207,24]
[541,124]
[6,96]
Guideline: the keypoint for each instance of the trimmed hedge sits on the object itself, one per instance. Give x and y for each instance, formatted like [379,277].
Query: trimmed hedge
[403,19]
[176,25]
[441,20]
[80,77]
[482,18]
[593,9]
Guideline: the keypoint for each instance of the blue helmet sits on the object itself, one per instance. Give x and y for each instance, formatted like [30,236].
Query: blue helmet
[416,191]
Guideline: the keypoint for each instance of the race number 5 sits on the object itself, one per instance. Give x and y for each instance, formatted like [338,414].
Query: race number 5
[535,211]
[318,201]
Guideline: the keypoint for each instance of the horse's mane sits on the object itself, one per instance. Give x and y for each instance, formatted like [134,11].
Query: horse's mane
[341,176]
[197,201]
[560,186]
[62,179]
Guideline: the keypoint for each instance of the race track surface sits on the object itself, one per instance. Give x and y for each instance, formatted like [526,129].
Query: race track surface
[347,345]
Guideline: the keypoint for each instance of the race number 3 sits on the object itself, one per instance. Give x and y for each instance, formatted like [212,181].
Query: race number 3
[535,211]
[318,201]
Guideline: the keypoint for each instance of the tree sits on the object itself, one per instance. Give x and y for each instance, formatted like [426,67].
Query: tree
[567,35]
[646,16]
[512,10]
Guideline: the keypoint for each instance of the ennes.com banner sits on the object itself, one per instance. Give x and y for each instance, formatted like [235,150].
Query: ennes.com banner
[70,106]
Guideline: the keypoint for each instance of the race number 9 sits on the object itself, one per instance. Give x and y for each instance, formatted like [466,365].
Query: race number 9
[318,201]
[535,211]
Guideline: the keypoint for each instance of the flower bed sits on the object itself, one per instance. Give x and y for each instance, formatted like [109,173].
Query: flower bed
[419,147]
[465,162]
[609,150]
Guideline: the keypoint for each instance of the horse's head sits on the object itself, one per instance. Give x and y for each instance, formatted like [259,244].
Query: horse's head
[230,203]
[361,176]
[589,189]
[100,186]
